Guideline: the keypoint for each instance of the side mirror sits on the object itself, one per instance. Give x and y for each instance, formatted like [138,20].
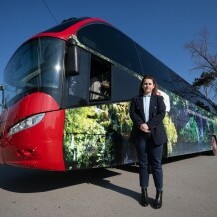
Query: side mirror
[72,59]
[3,95]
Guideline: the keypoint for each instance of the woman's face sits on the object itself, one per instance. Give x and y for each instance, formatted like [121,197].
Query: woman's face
[148,86]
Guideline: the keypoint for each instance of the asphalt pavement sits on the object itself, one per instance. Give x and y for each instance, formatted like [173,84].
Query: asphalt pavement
[190,190]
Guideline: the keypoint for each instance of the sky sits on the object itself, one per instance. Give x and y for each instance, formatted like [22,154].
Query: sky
[162,27]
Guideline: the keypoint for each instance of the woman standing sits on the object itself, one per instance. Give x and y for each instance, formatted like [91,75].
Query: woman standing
[147,112]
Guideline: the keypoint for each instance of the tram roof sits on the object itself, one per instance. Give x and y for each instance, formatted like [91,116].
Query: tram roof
[68,27]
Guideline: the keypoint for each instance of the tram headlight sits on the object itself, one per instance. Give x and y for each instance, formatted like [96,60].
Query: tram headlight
[25,124]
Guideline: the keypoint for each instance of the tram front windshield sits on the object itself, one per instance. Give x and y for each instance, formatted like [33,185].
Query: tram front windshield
[37,66]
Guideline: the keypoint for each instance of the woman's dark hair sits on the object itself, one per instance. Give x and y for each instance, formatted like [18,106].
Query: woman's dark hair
[154,91]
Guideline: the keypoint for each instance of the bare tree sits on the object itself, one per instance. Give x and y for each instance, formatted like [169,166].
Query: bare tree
[204,55]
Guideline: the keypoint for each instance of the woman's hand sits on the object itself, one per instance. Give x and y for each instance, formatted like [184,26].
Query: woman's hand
[145,128]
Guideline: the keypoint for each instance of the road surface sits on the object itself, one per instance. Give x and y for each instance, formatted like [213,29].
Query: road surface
[190,190]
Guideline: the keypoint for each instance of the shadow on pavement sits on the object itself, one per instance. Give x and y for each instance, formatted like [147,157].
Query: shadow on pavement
[28,181]
[23,180]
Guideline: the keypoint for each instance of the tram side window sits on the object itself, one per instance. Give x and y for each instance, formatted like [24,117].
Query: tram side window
[100,80]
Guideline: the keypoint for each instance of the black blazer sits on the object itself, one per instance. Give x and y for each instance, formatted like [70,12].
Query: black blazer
[157,111]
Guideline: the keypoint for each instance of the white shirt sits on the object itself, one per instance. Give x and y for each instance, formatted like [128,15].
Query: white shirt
[146,104]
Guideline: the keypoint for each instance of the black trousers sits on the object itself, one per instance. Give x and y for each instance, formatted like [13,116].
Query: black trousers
[149,154]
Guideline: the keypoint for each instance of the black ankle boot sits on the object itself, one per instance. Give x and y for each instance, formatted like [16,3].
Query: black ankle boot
[158,200]
[144,200]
